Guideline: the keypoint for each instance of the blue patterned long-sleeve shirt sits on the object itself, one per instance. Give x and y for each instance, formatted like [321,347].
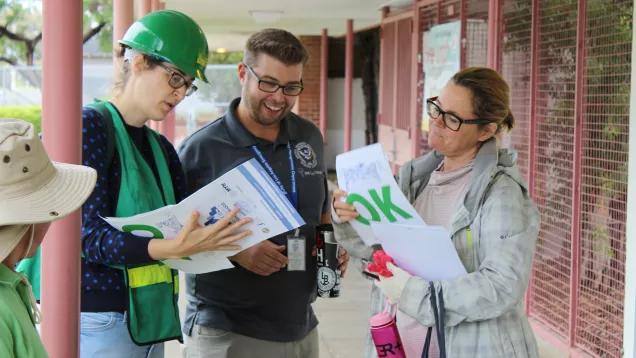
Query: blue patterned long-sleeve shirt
[103,288]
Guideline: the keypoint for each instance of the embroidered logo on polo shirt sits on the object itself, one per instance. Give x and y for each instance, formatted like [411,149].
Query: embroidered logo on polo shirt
[306,155]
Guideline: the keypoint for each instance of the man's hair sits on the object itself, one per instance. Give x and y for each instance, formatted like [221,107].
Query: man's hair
[277,43]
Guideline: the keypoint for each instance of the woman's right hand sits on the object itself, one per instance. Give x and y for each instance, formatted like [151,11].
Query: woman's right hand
[345,212]
[194,238]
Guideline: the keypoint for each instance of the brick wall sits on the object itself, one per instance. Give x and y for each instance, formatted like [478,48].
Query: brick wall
[308,104]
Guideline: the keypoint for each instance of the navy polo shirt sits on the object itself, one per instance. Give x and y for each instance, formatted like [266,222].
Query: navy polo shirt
[275,307]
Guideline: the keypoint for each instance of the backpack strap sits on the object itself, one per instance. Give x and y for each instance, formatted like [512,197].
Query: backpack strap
[161,144]
[100,107]
[437,302]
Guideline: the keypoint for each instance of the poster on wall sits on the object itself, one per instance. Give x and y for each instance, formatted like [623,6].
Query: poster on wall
[440,59]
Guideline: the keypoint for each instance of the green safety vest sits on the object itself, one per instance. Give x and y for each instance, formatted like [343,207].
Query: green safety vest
[153,289]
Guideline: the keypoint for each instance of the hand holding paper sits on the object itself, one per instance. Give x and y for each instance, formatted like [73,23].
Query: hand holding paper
[345,212]
[246,197]
[194,238]
[367,178]
[381,214]
[263,259]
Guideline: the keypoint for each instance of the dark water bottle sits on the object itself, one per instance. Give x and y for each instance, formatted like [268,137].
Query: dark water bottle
[327,254]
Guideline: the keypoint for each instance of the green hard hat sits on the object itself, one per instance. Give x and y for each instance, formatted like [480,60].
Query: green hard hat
[172,37]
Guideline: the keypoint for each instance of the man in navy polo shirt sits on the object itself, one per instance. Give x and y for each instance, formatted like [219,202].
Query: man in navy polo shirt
[262,307]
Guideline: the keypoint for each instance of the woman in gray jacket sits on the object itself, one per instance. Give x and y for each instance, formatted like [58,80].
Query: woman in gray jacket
[472,188]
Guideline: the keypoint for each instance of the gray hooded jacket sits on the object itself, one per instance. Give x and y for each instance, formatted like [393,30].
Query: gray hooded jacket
[495,233]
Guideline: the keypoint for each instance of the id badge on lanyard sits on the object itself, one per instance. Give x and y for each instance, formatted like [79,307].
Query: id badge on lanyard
[296,244]
[296,249]
[293,197]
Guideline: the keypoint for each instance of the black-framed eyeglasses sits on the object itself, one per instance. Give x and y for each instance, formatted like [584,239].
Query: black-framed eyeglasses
[272,87]
[450,120]
[177,81]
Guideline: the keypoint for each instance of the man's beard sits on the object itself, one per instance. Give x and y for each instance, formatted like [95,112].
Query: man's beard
[255,110]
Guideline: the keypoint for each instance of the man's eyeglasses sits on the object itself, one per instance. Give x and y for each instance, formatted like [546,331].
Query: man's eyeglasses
[450,120]
[176,80]
[272,87]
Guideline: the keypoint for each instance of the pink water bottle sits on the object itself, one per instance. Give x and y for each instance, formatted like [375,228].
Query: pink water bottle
[385,335]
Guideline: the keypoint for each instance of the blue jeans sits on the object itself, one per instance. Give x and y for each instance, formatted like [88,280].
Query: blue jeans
[105,335]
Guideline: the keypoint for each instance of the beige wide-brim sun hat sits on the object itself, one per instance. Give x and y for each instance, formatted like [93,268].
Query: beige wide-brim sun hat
[33,189]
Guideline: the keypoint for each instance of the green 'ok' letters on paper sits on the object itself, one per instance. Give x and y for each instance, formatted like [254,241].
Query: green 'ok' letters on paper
[386,206]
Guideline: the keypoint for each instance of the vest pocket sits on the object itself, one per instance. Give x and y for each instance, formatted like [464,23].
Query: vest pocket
[152,304]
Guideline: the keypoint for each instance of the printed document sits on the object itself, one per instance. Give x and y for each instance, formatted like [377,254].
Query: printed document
[248,187]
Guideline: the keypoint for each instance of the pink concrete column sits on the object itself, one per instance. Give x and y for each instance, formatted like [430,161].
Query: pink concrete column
[158,126]
[324,59]
[154,125]
[494,29]
[143,8]
[348,84]
[463,7]
[61,122]
[494,40]
[168,126]
[532,159]
[415,130]
[382,95]
[154,6]
[123,17]
[579,124]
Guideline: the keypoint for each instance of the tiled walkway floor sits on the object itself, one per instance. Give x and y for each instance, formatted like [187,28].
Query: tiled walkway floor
[343,323]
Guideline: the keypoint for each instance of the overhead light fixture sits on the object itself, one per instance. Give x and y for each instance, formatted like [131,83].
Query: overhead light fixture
[265,17]
[397,4]
[221,50]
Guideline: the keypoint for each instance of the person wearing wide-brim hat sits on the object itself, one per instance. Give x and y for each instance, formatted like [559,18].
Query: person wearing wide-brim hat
[33,192]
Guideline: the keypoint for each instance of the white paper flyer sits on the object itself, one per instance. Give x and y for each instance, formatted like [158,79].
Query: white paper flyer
[248,187]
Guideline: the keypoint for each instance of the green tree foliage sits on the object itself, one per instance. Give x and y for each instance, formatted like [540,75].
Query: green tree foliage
[21,29]
[31,114]
[227,58]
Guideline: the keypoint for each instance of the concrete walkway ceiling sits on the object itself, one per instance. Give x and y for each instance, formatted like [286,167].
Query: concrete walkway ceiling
[228,24]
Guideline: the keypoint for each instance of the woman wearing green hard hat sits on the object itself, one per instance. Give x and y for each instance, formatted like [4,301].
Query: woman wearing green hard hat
[129,299]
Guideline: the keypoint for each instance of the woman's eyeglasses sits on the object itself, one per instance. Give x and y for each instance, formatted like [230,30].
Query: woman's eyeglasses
[450,120]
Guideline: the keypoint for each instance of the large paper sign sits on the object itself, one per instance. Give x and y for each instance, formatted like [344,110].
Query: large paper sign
[424,251]
[441,50]
[367,178]
[247,187]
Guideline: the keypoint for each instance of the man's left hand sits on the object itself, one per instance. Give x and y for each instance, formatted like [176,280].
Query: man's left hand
[343,261]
